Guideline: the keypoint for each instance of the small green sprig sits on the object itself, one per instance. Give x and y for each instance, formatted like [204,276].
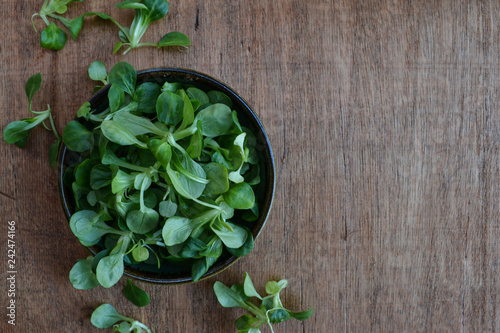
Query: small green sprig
[97,72]
[53,37]
[17,132]
[106,316]
[136,295]
[146,12]
[270,311]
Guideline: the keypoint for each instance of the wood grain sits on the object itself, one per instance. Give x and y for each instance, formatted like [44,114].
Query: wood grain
[384,120]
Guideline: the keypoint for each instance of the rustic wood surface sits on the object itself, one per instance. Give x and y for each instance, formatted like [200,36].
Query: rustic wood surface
[384,120]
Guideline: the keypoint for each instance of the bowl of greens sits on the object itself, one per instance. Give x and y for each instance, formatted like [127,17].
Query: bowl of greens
[166,175]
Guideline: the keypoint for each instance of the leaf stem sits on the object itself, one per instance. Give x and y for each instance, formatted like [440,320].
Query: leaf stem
[258,313]
[181,134]
[54,130]
[147,44]
[33,21]
[44,18]
[141,196]
[137,324]
[206,204]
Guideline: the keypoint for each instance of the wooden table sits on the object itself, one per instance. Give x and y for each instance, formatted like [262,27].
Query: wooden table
[383,116]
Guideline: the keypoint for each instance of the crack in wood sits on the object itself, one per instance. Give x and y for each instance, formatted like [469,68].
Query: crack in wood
[7,195]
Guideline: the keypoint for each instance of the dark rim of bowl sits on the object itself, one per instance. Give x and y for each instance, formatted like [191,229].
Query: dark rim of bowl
[202,81]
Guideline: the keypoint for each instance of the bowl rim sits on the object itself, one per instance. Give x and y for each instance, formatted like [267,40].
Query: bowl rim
[263,137]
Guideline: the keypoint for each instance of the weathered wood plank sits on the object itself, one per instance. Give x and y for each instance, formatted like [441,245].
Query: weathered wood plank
[384,120]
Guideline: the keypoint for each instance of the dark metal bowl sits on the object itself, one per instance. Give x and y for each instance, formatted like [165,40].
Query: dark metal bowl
[247,117]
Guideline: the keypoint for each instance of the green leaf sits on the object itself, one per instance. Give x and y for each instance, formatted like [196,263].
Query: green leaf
[187,110]
[61,9]
[218,178]
[216,120]
[124,35]
[53,153]
[254,330]
[116,96]
[157,10]
[98,257]
[214,248]
[195,147]
[167,208]
[216,96]
[103,16]
[174,39]
[245,322]
[198,95]
[227,297]
[110,270]
[53,37]
[123,327]
[237,122]
[140,253]
[88,231]
[161,150]
[176,230]
[131,4]
[231,238]
[201,266]
[252,177]
[97,72]
[92,198]
[142,181]
[82,172]
[105,316]
[219,157]
[302,315]
[191,248]
[249,287]
[273,287]
[124,76]
[146,96]
[142,221]
[74,26]
[186,187]
[238,153]
[81,275]
[100,176]
[279,316]
[135,124]
[186,166]
[282,284]
[135,294]
[17,132]
[76,137]
[245,249]
[120,134]
[122,181]
[109,158]
[84,110]
[32,86]
[227,212]
[267,304]
[240,196]
[117,47]
[56,6]
[122,207]
[169,108]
